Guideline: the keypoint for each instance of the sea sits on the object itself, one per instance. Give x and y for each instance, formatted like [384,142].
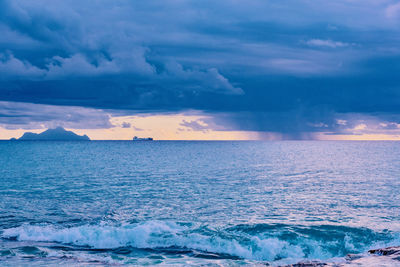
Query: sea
[196,203]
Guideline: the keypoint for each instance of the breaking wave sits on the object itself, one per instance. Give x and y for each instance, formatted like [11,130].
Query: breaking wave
[260,242]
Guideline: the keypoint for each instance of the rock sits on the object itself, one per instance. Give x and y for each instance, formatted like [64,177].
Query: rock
[308,264]
[389,256]
[352,257]
[386,251]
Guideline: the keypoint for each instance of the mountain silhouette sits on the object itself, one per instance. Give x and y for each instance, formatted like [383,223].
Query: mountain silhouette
[57,134]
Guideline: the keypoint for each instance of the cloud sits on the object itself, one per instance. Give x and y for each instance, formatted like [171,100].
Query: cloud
[197,125]
[126,125]
[81,46]
[360,127]
[210,79]
[389,125]
[297,66]
[137,129]
[78,65]
[11,67]
[241,62]
[33,116]
[362,124]
[393,11]
[326,43]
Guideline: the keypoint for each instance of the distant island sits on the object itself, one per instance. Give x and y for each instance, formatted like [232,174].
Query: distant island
[142,139]
[57,134]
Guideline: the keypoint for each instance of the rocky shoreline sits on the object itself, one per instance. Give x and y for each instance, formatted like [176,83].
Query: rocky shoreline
[389,256]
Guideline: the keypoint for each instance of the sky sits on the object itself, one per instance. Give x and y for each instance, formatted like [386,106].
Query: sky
[204,70]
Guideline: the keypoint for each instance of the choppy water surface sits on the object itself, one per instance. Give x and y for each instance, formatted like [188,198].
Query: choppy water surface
[195,203]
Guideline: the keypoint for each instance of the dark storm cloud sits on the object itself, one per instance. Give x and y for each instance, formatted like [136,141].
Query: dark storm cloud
[35,116]
[290,66]
[196,125]
[126,125]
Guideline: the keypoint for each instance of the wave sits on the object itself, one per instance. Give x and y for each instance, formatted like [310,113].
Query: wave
[260,242]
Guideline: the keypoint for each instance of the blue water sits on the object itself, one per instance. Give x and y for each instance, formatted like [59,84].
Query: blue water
[196,203]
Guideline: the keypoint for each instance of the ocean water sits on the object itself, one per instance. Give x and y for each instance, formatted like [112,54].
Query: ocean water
[196,203]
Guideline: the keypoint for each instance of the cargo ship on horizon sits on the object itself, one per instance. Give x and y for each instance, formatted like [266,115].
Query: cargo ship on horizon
[135,138]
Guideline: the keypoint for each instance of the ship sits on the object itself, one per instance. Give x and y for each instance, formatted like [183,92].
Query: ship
[142,139]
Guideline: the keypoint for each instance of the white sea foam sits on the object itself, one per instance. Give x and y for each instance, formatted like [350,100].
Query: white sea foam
[164,234]
[158,234]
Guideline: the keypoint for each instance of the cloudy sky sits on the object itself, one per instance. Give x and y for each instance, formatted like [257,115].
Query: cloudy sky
[226,69]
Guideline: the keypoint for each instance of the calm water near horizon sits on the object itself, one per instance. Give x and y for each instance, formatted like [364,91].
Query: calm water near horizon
[196,203]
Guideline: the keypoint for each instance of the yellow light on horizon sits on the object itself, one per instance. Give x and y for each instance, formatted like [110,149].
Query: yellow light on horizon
[173,127]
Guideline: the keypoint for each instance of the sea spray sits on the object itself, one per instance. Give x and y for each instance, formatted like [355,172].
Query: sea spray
[267,246]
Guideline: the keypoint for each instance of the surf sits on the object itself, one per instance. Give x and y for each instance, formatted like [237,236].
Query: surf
[277,243]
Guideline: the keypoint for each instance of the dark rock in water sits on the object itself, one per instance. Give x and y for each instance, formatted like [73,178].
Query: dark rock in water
[390,252]
[57,134]
[308,264]
[386,251]
[377,257]
[352,257]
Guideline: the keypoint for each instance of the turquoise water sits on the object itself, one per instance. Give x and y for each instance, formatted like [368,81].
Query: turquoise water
[196,203]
